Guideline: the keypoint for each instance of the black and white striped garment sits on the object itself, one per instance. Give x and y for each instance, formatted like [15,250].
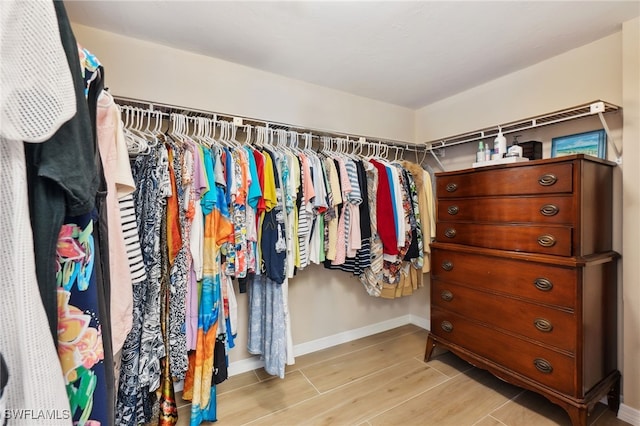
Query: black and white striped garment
[132,239]
[356,265]
[304,223]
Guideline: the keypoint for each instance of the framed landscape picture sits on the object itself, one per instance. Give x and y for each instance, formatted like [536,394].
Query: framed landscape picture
[590,143]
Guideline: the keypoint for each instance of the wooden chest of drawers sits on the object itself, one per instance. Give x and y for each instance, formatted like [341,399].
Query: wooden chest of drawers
[523,277]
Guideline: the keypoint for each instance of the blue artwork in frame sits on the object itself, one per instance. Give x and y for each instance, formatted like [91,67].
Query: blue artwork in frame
[590,143]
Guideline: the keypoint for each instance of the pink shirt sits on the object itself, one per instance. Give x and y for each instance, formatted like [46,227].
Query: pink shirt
[117,173]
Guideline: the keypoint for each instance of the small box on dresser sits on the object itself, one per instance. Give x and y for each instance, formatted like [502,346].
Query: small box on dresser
[523,277]
[531,149]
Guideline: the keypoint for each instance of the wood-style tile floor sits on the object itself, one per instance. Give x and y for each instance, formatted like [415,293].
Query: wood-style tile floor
[382,380]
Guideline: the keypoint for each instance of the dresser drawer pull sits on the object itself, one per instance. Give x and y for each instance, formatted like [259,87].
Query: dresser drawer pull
[453,210]
[547,240]
[447,265]
[446,295]
[549,210]
[543,365]
[450,233]
[543,284]
[452,187]
[446,326]
[543,325]
[548,179]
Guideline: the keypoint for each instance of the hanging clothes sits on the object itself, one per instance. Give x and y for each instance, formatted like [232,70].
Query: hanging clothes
[34,107]
[426,207]
[119,183]
[217,228]
[179,232]
[267,334]
[258,216]
[80,339]
[32,365]
[61,177]
[143,347]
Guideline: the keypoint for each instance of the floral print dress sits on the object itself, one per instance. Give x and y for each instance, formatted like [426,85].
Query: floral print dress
[80,345]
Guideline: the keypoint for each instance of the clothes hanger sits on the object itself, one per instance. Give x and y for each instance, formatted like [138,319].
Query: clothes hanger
[375,151]
[308,144]
[248,129]
[282,140]
[293,142]
[397,151]
[221,138]
[259,137]
[234,142]
[136,144]
[271,138]
[424,156]
[368,154]
[348,148]
[359,147]
[150,133]
[344,147]
[234,135]
[197,135]
[333,151]
[355,148]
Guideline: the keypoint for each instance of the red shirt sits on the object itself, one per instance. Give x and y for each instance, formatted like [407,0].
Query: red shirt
[384,212]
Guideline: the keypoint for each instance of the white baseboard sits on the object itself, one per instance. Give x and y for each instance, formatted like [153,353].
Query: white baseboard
[244,365]
[421,322]
[629,415]
[249,364]
[625,413]
[349,335]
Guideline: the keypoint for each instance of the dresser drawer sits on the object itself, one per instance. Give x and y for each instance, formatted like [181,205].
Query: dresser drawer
[545,324]
[538,363]
[539,282]
[555,240]
[536,209]
[532,180]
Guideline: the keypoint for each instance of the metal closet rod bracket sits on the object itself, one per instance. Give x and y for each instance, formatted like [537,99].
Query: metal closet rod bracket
[598,107]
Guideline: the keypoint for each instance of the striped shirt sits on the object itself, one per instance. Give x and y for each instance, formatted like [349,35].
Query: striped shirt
[132,239]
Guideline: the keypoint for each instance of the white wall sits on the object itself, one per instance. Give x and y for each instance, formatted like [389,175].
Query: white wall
[608,70]
[322,303]
[579,76]
[325,303]
[152,72]
[631,209]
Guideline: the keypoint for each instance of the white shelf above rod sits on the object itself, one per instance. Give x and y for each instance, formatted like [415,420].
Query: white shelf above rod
[597,107]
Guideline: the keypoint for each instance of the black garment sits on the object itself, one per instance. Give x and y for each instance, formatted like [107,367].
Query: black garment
[62,178]
[220,362]
[273,243]
[412,252]
[4,379]
[4,375]
[299,195]
[243,283]
[357,265]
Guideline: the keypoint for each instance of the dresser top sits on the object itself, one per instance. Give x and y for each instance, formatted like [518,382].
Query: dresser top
[563,159]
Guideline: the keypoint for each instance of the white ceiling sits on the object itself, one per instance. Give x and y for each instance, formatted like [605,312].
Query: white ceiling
[405,53]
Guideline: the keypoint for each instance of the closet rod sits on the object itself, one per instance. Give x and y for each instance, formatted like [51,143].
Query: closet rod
[168,109]
[596,107]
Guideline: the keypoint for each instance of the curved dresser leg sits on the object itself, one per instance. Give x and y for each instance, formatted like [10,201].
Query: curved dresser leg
[578,416]
[429,349]
[613,397]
